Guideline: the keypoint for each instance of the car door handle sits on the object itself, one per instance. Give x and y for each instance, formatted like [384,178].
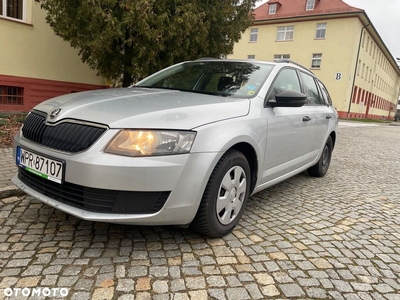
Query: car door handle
[328,117]
[306,119]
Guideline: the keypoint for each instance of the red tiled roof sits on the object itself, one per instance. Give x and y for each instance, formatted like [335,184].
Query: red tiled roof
[296,8]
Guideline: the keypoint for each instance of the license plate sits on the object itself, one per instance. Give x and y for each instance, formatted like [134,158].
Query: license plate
[39,165]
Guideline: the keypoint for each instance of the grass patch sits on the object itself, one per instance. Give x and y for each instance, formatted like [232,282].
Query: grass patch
[3,121]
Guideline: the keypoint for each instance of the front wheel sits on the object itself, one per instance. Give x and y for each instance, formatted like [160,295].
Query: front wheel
[322,166]
[225,196]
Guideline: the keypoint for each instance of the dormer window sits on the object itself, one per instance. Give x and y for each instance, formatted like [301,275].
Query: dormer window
[272,9]
[310,5]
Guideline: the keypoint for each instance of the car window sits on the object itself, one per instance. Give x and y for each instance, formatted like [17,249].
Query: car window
[325,93]
[223,78]
[311,90]
[287,79]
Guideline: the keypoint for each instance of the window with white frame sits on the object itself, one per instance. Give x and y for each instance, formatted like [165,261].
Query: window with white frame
[12,9]
[251,56]
[310,4]
[316,61]
[272,9]
[285,33]
[253,35]
[321,30]
[281,56]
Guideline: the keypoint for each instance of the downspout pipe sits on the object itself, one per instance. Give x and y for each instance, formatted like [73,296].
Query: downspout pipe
[355,69]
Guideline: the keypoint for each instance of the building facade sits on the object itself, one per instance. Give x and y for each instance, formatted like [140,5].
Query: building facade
[335,41]
[35,64]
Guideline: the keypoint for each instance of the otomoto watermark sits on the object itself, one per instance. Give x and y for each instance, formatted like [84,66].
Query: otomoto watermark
[37,291]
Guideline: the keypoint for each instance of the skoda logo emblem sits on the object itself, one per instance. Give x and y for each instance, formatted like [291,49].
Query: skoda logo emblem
[55,113]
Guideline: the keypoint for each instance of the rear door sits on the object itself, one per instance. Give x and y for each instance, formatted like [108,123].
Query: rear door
[320,113]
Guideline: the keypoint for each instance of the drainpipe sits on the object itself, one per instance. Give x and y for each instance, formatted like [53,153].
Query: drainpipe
[355,69]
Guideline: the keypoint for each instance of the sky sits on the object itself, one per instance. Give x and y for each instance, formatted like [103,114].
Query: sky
[385,16]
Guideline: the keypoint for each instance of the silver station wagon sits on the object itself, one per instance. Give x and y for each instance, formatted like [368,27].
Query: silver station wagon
[186,146]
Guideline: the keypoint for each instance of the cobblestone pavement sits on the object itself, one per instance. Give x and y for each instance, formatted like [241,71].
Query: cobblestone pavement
[7,167]
[336,237]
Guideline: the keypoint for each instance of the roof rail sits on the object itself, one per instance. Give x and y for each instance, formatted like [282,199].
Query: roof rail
[285,60]
[208,58]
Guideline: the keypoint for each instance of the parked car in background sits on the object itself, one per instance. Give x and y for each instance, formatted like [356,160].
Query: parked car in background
[185,146]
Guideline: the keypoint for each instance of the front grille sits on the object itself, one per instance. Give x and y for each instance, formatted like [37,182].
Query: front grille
[96,200]
[66,136]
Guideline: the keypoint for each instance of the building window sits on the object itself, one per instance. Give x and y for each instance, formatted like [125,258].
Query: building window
[281,56]
[321,29]
[363,40]
[12,8]
[253,35]
[316,61]
[251,56]
[285,33]
[366,74]
[362,71]
[310,4]
[11,95]
[272,9]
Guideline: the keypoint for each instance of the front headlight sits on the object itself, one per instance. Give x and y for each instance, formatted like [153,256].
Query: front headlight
[151,142]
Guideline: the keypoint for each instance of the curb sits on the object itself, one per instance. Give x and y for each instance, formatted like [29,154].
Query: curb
[10,191]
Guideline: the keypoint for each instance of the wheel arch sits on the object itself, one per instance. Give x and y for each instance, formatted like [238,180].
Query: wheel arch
[333,137]
[251,156]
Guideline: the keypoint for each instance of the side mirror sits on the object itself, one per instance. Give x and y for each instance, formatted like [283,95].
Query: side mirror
[288,98]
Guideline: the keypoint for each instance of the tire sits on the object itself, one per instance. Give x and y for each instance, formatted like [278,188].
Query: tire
[322,166]
[225,196]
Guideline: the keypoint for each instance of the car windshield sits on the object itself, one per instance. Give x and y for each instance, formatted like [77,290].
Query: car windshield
[223,78]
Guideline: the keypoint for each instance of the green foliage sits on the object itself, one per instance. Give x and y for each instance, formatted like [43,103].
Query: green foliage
[130,39]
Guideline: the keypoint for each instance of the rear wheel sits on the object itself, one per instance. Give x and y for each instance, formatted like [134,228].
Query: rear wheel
[322,166]
[225,196]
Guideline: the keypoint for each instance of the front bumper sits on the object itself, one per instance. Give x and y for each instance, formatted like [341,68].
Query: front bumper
[180,179]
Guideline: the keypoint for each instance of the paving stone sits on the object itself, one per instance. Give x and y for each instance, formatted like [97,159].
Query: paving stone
[291,290]
[237,294]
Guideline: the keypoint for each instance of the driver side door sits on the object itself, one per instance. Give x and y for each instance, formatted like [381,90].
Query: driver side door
[287,133]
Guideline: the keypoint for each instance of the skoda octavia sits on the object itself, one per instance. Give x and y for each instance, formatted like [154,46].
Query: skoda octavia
[187,145]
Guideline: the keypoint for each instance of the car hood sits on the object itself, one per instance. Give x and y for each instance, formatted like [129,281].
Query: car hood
[145,108]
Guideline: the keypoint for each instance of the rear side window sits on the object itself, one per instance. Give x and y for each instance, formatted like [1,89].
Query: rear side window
[287,79]
[324,93]
[311,90]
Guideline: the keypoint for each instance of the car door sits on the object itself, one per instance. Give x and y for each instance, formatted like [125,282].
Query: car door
[320,113]
[287,133]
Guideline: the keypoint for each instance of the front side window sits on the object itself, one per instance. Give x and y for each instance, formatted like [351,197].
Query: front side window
[310,4]
[285,33]
[12,9]
[11,95]
[311,90]
[321,29]
[272,9]
[278,57]
[316,61]
[287,79]
[219,78]
[253,35]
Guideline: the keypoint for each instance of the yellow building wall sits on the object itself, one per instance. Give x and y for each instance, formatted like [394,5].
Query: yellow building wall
[31,49]
[382,81]
[339,53]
